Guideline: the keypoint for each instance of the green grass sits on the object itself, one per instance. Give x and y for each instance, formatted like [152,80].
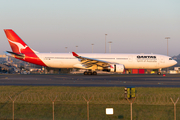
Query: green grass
[33,103]
[52,89]
[97,112]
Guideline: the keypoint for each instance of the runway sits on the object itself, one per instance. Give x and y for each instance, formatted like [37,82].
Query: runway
[91,81]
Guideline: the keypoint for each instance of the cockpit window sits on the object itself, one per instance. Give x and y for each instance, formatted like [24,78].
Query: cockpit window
[170,58]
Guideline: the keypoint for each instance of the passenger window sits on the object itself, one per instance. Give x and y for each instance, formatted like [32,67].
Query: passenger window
[170,58]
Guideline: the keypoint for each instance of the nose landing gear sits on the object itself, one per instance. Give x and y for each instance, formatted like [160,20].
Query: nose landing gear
[159,72]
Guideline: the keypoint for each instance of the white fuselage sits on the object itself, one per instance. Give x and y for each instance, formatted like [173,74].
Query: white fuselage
[130,61]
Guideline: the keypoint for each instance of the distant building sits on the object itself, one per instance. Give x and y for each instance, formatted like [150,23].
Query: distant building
[177,68]
[2,56]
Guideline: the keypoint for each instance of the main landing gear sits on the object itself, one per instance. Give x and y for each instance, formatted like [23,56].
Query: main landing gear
[90,73]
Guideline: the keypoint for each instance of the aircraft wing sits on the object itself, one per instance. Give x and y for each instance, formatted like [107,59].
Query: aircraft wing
[90,62]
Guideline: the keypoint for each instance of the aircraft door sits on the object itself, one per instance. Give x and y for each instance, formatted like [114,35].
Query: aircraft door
[162,60]
[130,58]
[159,61]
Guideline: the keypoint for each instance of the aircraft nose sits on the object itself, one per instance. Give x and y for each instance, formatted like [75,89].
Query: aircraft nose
[175,62]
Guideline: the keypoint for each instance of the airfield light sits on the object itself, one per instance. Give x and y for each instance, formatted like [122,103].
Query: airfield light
[66,49]
[110,46]
[92,47]
[105,42]
[167,43]
[76,48]
[167,50]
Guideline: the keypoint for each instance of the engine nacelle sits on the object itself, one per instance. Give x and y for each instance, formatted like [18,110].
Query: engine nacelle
[115,68]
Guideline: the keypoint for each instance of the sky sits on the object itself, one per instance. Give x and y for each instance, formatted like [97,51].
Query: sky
[133,26]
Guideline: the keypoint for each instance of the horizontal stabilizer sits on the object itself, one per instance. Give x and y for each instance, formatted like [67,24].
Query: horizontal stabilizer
[16,54]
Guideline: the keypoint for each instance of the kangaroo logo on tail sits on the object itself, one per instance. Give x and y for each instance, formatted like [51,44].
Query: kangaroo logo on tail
[19,45]
[21,50]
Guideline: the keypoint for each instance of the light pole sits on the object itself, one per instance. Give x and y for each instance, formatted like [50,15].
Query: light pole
[105,42]
[167,43]
[92,47]
[167,49]
[66,49]
[76,48]
[109,46]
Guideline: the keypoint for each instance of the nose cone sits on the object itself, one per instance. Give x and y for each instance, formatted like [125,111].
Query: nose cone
[174,62]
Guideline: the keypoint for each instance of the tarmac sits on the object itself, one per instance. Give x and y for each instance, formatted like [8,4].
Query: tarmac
[115,80]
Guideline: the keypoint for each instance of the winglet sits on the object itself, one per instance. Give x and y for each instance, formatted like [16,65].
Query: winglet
[74,54]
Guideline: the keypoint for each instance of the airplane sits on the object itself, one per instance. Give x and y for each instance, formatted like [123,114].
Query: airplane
[92,62]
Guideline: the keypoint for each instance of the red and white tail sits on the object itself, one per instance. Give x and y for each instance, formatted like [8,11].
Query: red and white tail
[16,43]
[20,49]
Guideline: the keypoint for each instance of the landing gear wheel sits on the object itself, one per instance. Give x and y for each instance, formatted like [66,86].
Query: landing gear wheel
[85,73]
[94,73]
[158,73]
[89,73]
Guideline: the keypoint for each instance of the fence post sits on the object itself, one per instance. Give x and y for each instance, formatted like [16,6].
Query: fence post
[174,107]
[131,102]
[53,105]
[13,106]
[87,106]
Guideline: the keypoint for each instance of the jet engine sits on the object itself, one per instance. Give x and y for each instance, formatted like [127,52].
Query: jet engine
[115,68]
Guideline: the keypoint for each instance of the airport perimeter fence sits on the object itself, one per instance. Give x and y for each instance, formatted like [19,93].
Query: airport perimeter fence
[87,105]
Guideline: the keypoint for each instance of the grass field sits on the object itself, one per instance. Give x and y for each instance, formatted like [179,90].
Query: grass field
[33,103]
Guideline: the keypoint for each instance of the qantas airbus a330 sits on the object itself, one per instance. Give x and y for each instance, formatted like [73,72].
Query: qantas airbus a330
[92,62]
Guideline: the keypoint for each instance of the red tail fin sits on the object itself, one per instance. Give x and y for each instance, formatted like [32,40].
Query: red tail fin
[16,43]
[19,47]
